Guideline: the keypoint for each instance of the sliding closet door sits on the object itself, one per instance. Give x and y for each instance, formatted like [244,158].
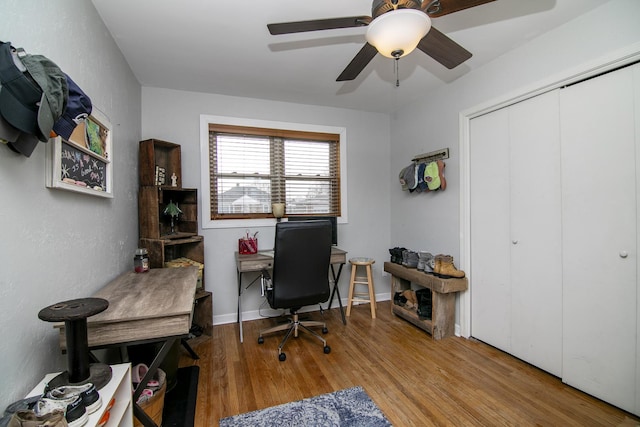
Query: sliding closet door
[515,231]
[636,92]
[599,237]
[536,232]
[490,221]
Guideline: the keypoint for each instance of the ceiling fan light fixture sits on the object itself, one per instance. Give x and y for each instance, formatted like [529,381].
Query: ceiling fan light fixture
[398,30]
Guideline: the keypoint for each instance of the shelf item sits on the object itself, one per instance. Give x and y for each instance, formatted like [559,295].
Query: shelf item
[121,414]
[159,156]
[162,251]
[442,322]
[155,224]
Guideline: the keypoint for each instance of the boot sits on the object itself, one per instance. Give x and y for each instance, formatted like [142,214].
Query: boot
[412,259]
[423,260]
[448,269]
[425,303]
[437,263]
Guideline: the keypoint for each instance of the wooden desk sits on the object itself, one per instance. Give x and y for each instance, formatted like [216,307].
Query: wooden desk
[155,306]
[142,306]
[263,260]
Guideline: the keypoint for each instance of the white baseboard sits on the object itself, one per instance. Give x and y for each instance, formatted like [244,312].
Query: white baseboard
[223,319]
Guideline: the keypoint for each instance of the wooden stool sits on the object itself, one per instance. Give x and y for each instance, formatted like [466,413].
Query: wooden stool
[369,297]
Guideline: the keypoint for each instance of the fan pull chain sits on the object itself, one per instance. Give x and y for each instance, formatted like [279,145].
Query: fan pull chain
[396,72]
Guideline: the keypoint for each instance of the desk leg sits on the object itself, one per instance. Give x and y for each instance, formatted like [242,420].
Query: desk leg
[137,410]
[240,303]
[336,278]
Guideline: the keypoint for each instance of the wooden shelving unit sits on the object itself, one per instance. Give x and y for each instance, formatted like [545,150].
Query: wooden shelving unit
[163,242]
[167,155]
[154,224]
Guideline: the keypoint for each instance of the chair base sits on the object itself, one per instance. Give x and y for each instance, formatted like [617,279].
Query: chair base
[292,328]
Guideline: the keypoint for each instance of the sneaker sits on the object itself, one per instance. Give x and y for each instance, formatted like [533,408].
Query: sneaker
[28,418]
[74,411]
[90,397]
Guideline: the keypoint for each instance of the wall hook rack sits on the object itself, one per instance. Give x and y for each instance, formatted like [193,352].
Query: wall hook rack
[432,156]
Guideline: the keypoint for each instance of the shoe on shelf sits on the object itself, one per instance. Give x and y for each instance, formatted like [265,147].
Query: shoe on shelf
[138,372]
[88,393]
[399,299]
[74,411]
[145,395]
[28,418]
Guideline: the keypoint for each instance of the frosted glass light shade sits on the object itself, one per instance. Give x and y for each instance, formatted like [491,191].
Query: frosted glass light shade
[398,30]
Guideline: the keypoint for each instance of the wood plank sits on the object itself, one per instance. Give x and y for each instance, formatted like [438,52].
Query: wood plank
[415,380]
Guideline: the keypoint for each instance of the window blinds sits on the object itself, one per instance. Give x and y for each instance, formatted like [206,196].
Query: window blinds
[251,168]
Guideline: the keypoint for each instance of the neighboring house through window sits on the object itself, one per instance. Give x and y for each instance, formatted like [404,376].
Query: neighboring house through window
[251,167]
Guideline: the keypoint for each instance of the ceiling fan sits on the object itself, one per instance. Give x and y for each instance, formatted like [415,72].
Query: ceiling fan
[395,28]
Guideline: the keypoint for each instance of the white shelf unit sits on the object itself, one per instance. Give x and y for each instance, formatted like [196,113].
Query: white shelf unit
[121,413]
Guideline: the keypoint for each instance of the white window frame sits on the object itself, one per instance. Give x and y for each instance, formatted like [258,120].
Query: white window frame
[205,192]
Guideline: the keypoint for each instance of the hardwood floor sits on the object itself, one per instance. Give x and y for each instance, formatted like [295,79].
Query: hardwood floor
[414,380]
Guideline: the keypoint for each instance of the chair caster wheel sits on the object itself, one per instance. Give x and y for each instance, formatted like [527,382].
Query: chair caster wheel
[282,357]
[260,340]
[325,330]
[327,349]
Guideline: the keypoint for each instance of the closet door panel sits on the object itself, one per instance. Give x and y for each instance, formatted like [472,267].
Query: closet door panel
[636,92]
[599,237]
[536,234]
[490,213]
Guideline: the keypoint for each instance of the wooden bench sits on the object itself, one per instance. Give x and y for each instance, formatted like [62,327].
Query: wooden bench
[443,312]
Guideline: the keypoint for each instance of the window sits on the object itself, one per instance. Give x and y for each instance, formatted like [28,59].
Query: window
[249,168]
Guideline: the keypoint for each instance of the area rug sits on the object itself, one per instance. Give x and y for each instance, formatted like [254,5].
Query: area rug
[180,403]
[351,407]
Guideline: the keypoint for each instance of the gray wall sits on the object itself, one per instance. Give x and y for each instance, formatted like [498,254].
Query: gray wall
[57,245]
[175,116]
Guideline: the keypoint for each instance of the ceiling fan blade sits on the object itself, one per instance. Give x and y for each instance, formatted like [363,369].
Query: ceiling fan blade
[443,49]
[444,7]
[318,24]
[358,63]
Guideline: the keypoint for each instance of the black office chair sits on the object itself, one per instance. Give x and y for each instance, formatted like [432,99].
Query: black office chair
[300,275]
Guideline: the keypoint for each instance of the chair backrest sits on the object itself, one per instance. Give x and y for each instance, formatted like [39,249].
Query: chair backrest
[302,252]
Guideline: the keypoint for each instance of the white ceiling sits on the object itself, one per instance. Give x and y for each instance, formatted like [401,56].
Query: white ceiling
[224,47]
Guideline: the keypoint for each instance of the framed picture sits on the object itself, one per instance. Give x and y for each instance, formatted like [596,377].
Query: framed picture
[83,163]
